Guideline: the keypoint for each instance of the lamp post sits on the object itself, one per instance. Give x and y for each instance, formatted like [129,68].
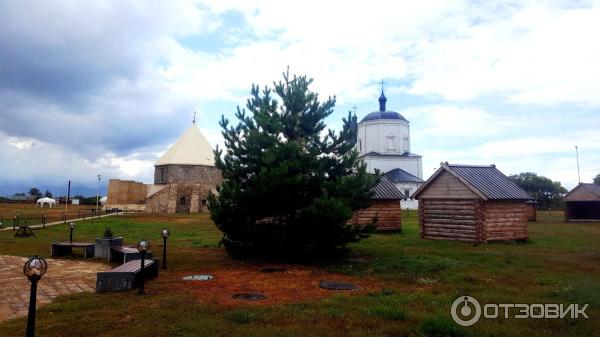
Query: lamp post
[71,228]
[165,235]
[98,195]
[34,269]
[142,246]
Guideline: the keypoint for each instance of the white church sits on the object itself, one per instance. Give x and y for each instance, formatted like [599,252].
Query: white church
[383,143]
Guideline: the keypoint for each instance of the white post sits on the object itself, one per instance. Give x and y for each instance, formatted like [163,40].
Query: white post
[578,174]
[98,195]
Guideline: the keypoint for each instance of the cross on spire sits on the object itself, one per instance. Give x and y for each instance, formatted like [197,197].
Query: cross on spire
[382,98]
[194,120]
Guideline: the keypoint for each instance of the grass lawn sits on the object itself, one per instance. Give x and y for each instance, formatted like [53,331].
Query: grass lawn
[31,214]
[418,281]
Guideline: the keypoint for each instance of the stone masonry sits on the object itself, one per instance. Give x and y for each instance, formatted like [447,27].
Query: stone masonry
[63,277]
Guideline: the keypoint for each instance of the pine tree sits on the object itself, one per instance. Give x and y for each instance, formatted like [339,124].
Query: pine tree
[288,184]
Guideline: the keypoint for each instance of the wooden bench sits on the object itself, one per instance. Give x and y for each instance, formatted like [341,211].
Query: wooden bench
[126,276]
[66,248]
[125,254]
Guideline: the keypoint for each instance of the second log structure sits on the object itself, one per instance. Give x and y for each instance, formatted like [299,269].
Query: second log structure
[473,204]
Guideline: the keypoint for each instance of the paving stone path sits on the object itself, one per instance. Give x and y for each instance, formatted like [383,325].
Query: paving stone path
[63,277]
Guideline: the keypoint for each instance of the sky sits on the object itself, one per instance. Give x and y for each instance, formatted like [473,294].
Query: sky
[104,87]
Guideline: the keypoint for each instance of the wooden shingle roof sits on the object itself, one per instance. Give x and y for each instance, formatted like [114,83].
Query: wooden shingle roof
[485,181]
[385,190]
[398,175]
[591,190]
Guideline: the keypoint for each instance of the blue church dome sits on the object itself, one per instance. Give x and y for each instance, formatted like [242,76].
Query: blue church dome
[383,113]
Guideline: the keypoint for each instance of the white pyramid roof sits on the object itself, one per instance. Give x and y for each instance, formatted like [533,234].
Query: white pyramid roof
[190,149]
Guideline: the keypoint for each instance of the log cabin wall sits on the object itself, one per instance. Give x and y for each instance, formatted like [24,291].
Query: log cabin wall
[532,212]
[447,186]
[505,220]
[387,213]
[451,219]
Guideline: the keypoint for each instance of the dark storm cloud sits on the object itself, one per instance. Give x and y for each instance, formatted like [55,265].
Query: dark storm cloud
[85,72]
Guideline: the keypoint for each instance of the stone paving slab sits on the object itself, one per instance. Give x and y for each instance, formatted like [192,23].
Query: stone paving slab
[63,277]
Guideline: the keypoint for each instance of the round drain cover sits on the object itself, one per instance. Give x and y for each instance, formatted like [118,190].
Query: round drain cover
[198,278]
[273,270]
[332,285]
[249,296]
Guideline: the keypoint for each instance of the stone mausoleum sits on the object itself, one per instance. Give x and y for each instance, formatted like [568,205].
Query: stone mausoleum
[183,177]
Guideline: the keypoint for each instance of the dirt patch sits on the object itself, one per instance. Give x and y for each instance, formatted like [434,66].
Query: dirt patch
[295,284]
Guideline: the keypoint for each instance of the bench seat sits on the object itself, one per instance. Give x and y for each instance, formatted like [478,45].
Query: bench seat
[66,248]
[126,276]
[124,254]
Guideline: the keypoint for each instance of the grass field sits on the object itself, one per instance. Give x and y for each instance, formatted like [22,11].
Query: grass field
[29,214]
[417,282]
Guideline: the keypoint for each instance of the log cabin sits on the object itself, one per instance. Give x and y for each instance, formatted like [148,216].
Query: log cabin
[385,209]
[583,203]
[532,213]
[473,204]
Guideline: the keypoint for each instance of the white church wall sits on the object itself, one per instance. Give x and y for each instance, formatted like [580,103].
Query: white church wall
[411,187]
[373,136]
[409,204]
[411,165]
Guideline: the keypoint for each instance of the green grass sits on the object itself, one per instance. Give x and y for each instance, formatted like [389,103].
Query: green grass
[420,279]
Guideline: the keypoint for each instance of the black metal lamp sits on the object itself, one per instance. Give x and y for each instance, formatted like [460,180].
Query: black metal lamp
[142,247]
[34,269]
[164,233]
[71,228]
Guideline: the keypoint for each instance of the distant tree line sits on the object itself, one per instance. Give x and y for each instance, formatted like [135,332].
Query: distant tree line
[547,193]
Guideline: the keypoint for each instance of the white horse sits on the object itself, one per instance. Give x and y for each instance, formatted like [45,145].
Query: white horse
[51,202]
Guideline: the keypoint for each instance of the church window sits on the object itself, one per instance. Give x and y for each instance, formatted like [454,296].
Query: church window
[391,142]
[407,193]
[182,201]
[359,145]
[203,202]
[406,147]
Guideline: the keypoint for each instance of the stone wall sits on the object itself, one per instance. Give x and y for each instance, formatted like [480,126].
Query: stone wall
[188,174]
[180,198]
[125,192]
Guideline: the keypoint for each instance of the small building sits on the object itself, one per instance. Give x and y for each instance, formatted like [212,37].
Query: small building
[472,203]
[532,210]
[385,209]
[583,203]
[407,184]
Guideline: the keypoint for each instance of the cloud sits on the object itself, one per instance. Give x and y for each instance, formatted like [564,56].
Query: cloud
[551,156]
[107,86]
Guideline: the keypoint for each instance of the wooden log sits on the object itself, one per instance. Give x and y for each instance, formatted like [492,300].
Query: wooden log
[442,226]
[446,238]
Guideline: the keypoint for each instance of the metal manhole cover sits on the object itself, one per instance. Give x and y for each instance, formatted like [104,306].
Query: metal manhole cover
[198,278]
[273,270]
[332,285]
[249,296]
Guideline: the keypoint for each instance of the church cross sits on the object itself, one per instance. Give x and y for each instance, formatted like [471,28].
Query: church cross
[194,120]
